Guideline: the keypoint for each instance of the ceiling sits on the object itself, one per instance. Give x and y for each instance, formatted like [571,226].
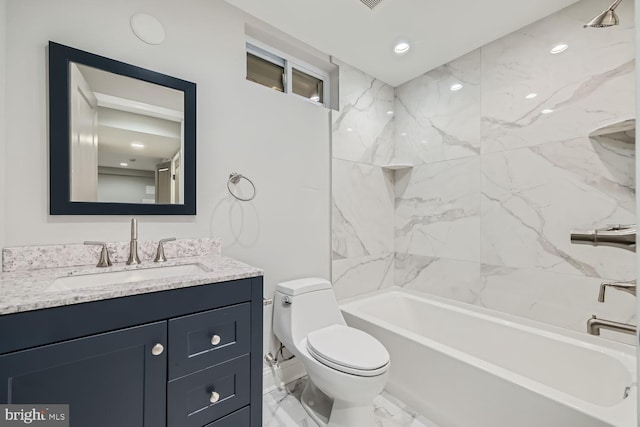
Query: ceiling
[132,127]
[439,31]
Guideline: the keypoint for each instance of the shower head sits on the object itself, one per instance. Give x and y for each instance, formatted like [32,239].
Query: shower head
[606,18]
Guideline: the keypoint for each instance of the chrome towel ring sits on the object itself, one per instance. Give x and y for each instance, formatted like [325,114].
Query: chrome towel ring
[235,178]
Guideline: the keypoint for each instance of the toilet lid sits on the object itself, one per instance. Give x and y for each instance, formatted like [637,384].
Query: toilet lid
[348,350]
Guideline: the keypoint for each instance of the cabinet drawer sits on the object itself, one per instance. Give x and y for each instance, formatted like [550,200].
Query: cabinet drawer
[206,339]
[241,418]
[189,398]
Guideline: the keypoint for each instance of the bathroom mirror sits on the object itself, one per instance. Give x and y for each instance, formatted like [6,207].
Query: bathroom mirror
[121,138]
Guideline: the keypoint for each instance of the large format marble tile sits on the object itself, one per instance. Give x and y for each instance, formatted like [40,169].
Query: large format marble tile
[282,408]
[359,275]
[362,129]
[438,210]
[588,85]
[434,123]
[497,182]
[562,300]
[533,197]
[362,210]
[447,278]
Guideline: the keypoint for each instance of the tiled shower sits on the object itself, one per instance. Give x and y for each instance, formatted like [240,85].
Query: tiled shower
[503,168]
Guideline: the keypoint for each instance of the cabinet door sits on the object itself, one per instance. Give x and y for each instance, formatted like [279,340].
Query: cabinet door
[109,380]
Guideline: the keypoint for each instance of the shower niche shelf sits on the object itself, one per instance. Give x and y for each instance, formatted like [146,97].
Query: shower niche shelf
[397,166]
[623,132]
[615,145]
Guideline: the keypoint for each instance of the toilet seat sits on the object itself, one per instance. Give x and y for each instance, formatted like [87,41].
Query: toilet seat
[348,350]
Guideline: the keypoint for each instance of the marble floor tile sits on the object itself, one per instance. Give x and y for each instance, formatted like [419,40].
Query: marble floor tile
[282,408]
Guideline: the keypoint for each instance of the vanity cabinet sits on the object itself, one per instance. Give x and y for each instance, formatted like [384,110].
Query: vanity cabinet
[110,379]
[190,357]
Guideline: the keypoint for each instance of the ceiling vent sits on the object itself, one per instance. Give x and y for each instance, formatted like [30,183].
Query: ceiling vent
[371,3]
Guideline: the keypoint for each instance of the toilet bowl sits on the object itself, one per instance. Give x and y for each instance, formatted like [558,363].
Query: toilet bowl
[347,368]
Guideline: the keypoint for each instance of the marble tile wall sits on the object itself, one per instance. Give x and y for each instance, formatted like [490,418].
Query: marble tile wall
[434,123]
[362,131]
[362,191]
[485,215]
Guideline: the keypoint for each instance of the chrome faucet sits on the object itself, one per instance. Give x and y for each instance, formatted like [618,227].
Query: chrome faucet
[133,245]
[594,325]
[628,287]
[619,236]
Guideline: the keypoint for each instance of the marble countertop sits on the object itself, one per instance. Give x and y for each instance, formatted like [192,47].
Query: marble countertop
[28,290]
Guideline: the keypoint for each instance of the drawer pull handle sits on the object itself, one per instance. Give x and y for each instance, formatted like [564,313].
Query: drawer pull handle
[215,340]
[157,349]
[214,397]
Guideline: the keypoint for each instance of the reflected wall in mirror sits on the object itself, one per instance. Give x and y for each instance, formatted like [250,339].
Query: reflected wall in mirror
[122,138]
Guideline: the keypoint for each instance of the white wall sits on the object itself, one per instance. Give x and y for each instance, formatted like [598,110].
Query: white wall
[280,142]
[122,188]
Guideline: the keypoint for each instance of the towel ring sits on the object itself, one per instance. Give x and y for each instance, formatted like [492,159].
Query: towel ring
[234,178]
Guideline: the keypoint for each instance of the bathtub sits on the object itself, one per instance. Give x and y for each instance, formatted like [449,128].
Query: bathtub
[465,366]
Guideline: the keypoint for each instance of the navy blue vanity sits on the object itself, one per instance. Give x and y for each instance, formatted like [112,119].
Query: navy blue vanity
[187,357]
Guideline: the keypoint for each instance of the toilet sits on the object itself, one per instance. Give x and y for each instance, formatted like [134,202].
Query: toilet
[347,368]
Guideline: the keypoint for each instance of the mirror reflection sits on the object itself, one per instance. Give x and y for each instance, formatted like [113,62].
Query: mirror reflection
[126,139]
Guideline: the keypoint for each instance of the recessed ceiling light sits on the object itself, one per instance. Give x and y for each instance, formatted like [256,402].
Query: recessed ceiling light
[456,87]
[389,113]
[315,98]
[559,48]
[137,145]
[531,95]
[402,47]
[124,164]
[349,129]
[403,134]
[547,111]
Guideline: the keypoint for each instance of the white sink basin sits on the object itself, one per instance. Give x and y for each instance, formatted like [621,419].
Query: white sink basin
[117,277]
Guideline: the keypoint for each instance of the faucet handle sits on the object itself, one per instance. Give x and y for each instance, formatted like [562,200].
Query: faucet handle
[160,256]
[628,287]
[104,260]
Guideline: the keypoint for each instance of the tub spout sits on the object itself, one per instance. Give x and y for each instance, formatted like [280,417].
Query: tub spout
[628,287]
[594,325]
[619,236]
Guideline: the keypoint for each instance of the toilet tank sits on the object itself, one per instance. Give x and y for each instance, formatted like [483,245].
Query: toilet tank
[311,306]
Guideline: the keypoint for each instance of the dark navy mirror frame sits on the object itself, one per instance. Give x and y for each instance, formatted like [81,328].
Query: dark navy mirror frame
[59,136]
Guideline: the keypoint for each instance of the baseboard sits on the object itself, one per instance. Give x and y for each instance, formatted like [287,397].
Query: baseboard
[285,372]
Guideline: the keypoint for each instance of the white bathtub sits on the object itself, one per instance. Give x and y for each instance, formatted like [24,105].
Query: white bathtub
[465,366]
